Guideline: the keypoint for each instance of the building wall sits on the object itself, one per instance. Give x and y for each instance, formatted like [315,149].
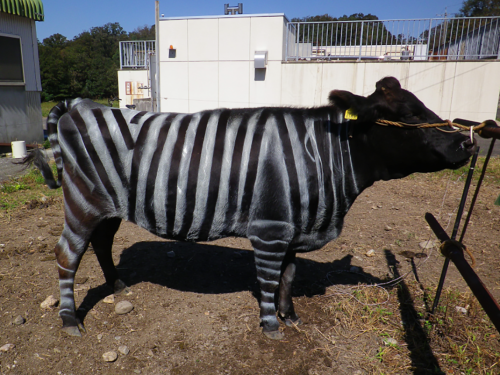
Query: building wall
[134,78]
[214,67]
[20,115]
[20,109]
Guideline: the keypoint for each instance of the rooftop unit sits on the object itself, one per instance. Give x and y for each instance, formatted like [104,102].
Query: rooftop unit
[135,54]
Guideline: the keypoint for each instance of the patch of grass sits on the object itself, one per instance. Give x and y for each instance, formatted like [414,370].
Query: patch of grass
[29,180]
[26,189]
[459,343]
[47,106]
[13,186]
[492,173]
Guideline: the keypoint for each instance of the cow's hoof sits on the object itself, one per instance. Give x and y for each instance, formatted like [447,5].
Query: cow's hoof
[293,323]
[81,327]
[72,331]
[121,289]
[274,335]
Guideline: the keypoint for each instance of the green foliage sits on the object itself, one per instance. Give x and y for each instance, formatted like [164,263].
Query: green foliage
[13,186]
[85,66]
[34,177]
[480,8]
[372,30]
[47,106]
[143,33]
[327,17]
[31,186]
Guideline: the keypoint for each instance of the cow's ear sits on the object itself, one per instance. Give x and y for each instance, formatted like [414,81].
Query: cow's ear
[341,99]
[389,88]
[388,84]
[346,100]
[355,106]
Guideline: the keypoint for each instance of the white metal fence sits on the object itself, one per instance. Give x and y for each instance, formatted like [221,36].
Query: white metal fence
[417,39]
[135,54]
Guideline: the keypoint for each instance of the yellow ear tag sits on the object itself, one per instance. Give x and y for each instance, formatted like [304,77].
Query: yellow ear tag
[350,114]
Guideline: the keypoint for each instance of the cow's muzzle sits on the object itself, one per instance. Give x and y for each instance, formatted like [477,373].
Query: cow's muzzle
[469,145]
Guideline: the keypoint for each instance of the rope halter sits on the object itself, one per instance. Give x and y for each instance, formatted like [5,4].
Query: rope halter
[456,127]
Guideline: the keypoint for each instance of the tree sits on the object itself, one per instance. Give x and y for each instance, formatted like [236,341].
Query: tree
[480,8]
[102,60]
[143,33]
[54,73]
[327,17]
[347,33]
[85,66]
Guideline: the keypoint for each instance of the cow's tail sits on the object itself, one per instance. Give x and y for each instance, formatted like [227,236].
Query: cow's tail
[39,158]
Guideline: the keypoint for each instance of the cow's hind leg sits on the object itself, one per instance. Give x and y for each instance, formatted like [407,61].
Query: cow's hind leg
[270,241]
[102,242]
[69,251]
[286,310]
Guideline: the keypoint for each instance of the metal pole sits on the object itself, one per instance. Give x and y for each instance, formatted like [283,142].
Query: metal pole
[476,193]
[454,252]
[121,56]
[297,43]
[157,55]
[286,41]
[361,39]
[455,229]
[498,57]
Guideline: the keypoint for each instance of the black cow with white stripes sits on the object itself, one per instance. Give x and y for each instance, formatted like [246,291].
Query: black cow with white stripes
[282,177]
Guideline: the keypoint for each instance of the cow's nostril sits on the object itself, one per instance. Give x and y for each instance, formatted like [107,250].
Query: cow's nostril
[469,146]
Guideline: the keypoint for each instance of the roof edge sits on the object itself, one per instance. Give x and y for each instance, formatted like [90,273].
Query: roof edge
[227,16]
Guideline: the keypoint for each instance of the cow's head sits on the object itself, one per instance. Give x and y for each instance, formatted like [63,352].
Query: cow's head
[402,151]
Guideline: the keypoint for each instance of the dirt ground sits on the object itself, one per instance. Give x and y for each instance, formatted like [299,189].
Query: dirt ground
[195,305]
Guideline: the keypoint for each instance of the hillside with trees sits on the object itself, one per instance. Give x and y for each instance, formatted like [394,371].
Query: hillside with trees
[86,65]
[480,8]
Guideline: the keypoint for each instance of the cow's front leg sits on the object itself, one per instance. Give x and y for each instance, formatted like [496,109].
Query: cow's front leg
[286,310]
[270,242]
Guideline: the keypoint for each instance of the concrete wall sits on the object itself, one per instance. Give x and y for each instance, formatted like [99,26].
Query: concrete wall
[135,78]
[20,109]
[214,67]
[467,90]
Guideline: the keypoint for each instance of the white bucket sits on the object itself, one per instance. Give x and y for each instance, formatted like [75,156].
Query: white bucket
[18,149]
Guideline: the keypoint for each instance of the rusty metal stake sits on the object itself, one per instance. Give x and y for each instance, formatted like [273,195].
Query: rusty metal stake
[476,193]
[453,250]
[455,229]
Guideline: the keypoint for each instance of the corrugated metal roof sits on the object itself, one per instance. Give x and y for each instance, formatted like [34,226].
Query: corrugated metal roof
[25,8]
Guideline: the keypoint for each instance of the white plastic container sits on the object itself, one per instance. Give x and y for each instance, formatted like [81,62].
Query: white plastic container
[18,149]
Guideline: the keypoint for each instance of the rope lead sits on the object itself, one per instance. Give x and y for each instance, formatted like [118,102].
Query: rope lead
[457,127]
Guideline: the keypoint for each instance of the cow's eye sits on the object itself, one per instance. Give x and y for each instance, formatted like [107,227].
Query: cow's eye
[413,118]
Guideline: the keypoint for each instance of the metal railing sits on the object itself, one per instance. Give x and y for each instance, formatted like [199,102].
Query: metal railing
[135,54]
[417,39]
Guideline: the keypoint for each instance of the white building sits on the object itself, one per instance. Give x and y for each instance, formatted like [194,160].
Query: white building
[210,62]
[20,85]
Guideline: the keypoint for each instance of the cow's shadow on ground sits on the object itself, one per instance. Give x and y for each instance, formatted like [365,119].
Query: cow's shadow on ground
[211,269]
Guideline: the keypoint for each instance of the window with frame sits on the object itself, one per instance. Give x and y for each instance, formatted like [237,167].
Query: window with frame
[11,59]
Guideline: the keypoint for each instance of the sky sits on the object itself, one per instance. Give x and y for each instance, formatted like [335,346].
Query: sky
[70,18]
